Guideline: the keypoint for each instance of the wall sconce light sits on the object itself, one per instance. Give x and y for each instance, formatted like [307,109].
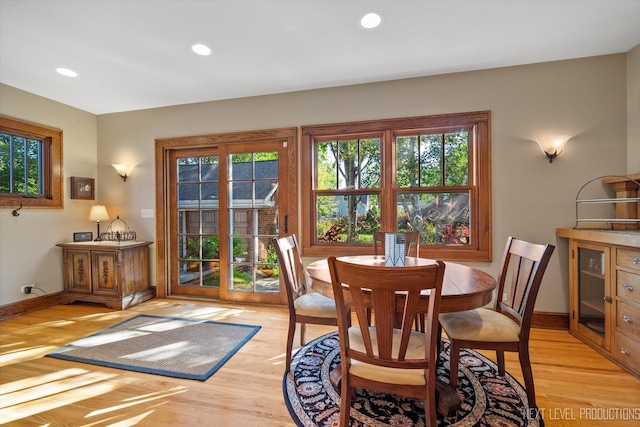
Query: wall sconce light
[123,171]
[98,213]
[552,146]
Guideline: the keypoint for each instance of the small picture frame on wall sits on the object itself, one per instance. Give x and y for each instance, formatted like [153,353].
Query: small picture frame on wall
[82,188]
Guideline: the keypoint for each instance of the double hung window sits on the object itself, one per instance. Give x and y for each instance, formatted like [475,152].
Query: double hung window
[428,174]
[30,165]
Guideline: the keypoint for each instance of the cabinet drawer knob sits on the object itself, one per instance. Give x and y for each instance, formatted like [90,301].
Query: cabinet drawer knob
[627,287]
[624,350]
[608,299]
[636,261]
[627,319]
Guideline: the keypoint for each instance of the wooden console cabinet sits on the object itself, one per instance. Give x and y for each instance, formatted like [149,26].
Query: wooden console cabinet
[604,292]
[111,273]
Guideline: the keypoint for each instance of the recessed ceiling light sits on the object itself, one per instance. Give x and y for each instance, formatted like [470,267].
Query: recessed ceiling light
[201,49]
[371,20]
[67,72]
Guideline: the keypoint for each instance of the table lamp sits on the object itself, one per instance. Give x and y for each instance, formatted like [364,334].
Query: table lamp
[98,213]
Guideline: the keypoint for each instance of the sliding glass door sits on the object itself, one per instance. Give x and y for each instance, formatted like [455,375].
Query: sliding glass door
[226,204]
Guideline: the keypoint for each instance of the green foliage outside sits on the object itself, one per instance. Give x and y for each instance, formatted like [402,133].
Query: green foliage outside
[423,162]
[25,168]
[211,247]
[240,279]
[271,262]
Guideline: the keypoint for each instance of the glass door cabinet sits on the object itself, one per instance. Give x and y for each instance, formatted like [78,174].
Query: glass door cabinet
[591,296]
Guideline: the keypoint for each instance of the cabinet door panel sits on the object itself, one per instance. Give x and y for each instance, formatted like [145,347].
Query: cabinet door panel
[591,297]
[78,265]
[106,272]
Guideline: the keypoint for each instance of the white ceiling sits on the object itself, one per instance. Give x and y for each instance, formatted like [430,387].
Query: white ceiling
[135,54]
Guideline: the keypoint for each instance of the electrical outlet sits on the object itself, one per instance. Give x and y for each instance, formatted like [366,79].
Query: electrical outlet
[504,296]
[26,289]
[147,213]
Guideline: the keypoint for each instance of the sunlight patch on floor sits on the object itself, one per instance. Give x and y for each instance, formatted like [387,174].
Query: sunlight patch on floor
[28,383]
[140,400]
[24,354]
[56,394]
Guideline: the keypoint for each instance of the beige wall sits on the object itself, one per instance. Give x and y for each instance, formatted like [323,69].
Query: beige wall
[27,242]
[585,98]
[633,110]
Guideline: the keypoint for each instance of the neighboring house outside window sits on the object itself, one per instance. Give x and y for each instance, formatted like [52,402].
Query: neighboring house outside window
[428,174]
[30,165]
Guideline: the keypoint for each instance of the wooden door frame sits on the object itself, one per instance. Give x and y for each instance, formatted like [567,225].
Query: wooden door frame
[163,146]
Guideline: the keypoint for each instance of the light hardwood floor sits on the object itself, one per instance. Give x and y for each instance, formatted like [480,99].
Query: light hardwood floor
[570,377]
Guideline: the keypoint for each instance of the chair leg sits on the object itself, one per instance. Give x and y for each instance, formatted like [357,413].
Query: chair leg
[303,327]
[500,362]
[527,373]
[454,358]
[430,408]
[346,395]
[439,343]
[290,335]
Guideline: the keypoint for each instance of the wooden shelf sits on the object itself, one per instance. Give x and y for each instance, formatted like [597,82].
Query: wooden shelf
[594,305]
[592,274]
[595,326]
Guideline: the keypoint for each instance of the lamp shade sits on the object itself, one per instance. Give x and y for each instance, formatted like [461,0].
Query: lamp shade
[553,144]
[123,170]
[98,213]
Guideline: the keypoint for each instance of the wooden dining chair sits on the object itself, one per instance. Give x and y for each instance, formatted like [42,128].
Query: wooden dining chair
[412,247]
[304,307]
[506,326]
[383,357]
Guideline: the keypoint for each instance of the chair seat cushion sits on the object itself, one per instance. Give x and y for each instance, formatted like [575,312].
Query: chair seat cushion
[315,305]
[415,350]
[481,324]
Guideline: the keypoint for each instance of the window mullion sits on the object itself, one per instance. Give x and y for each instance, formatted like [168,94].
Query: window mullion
[26,167]
[12,162]
[442,161]
[40,162]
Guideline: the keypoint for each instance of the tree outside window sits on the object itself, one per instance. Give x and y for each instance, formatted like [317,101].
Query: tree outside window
[30,165]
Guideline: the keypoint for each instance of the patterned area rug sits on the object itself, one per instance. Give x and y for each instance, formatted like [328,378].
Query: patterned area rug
[175,347]
[487,399]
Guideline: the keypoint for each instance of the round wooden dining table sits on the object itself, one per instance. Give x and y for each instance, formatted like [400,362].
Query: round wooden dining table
[463,287]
